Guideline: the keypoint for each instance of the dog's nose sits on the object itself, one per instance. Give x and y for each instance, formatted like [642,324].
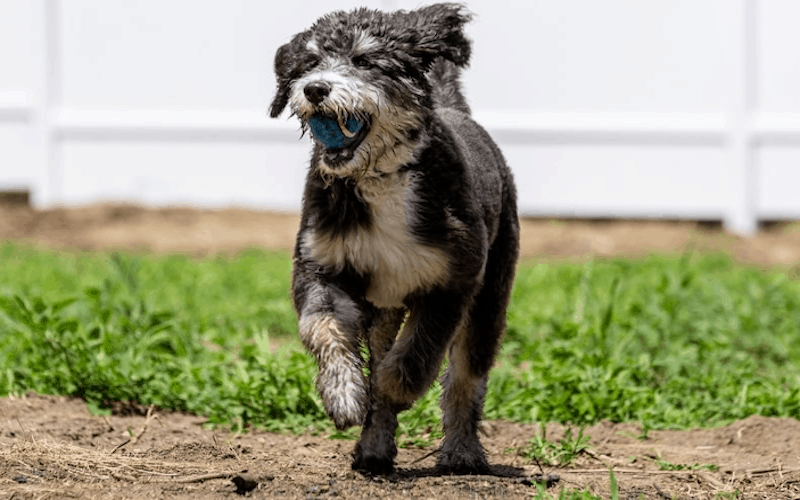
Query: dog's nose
[316,92]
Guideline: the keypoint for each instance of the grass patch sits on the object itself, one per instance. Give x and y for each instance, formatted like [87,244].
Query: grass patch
[557,454]
[576,494]
[666,465]
[183,334]
[668,342]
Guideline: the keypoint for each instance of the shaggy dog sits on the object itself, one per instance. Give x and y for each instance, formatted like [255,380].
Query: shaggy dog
[409,233]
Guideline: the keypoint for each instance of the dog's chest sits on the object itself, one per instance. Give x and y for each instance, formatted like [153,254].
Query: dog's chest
[385,250]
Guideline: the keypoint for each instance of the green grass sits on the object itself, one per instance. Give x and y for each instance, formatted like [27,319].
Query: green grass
[559,453]
[576,494]
[669,342]
[179,333]
[732,495]
[666,465]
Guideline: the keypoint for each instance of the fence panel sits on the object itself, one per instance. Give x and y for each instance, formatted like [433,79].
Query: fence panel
[666,108]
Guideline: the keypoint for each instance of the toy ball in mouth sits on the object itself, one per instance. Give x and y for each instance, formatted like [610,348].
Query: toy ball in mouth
[333,133]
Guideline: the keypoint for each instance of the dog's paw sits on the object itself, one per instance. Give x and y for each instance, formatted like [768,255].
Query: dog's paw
[376,449]
[467,463]
[463,455]
[344,394]
[344,415]
[374,460]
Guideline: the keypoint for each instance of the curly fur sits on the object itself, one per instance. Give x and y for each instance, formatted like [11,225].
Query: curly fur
[409,235]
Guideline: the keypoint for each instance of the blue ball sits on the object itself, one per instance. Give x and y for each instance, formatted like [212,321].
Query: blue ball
[327,131]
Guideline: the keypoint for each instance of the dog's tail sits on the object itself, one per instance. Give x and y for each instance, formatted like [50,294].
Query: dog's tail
[444,78]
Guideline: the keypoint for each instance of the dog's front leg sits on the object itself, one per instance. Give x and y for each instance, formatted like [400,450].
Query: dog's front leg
[330,326]
[405,373]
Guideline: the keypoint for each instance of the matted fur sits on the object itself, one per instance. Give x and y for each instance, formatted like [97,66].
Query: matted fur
[409,235]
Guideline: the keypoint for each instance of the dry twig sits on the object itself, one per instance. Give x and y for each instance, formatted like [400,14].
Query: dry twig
[132,440]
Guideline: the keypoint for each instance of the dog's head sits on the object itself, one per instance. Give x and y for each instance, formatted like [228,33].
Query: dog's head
[358,80]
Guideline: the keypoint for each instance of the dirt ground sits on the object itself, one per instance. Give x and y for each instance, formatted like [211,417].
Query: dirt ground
[203,232]
[51,447]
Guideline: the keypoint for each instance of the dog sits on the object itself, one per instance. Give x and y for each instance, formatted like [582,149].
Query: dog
[409,234]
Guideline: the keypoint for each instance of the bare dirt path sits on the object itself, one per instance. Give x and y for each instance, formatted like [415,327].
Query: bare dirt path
[201,232]
[51,447]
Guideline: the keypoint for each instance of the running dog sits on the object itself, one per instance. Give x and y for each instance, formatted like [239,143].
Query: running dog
[409,235]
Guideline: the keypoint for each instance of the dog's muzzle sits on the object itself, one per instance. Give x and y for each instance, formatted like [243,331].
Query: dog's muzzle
[339,135]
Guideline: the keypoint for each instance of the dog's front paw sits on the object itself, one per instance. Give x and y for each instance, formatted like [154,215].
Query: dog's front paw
[376,449]
[344,394]
[463,458]
[375,458]
[463,465]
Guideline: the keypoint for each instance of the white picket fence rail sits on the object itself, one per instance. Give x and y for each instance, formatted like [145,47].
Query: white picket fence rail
[666,108]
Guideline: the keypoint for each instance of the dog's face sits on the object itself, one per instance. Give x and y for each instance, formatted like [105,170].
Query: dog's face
[358,81]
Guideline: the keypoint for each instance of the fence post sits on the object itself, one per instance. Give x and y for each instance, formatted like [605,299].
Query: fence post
[46,181]
[740,214]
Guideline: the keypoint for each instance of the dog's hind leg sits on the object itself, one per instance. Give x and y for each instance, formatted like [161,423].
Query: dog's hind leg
[331,327]
[463,390]
[471,357]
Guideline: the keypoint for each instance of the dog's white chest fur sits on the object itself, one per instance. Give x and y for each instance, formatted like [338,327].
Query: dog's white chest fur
[397,264]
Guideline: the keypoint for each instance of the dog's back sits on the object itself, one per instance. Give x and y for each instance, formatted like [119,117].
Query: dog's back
[491,181]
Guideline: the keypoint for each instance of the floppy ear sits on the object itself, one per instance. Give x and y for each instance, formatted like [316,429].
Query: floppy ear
[440,28]
[283,72]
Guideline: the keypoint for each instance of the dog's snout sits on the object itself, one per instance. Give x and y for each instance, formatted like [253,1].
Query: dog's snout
[316,92]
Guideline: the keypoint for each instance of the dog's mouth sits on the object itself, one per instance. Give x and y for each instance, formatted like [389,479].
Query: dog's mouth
[339,135]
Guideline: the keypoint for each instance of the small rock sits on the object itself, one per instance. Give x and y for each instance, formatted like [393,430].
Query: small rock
[244,483]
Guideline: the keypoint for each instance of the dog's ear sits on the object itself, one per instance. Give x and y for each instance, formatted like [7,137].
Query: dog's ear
[441,34]
[291,60]
[284,67]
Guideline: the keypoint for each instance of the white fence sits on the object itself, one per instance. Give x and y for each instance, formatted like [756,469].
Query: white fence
[621,108]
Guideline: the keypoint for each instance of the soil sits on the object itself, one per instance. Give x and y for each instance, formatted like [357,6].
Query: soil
[52,447]
[207,232]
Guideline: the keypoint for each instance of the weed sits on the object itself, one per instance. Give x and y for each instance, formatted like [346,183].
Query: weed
[613,485]
[645,430]
[728,495]
[564,494]
[664,465]
[575,494]
[561,453]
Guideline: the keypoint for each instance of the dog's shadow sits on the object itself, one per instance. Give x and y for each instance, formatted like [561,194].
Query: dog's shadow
[516,474]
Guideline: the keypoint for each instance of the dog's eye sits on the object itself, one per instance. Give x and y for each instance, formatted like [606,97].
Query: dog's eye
[362,62]
[311,62]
